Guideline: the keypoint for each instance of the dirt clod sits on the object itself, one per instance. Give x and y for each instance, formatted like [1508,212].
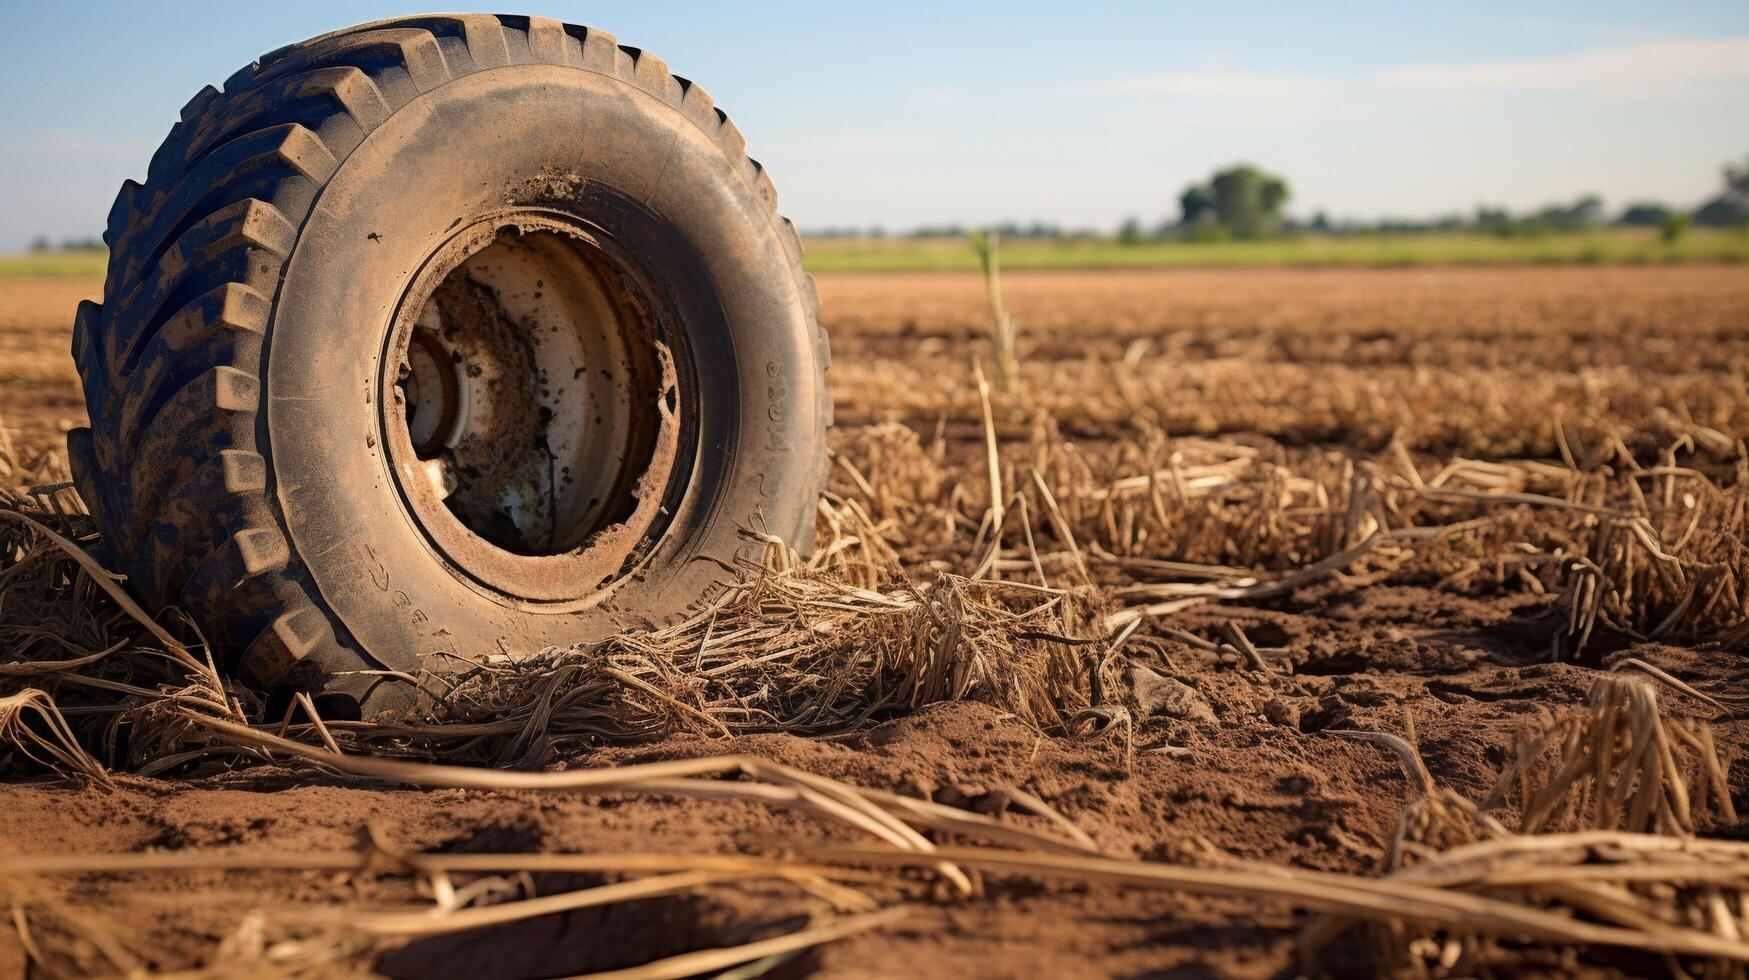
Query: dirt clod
[1282,712]
[1168,696]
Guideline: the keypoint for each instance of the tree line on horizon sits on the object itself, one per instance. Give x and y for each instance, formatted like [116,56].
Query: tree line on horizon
[1246,203]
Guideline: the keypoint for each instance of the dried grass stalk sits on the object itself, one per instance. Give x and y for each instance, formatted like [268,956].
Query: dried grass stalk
[1615,764]
[1639,880]
[788,651]
[50,735]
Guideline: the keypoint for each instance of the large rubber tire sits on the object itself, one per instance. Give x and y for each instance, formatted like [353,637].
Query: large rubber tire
[234,369]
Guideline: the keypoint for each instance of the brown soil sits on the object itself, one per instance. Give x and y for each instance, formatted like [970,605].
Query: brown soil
[1302,363]
[39,390]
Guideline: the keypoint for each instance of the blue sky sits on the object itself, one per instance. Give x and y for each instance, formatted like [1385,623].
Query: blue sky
[900,114]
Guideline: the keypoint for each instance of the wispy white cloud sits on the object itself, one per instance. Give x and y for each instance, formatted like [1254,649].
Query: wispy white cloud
[1229,97]
[1220,85]
[1233,97]
[1656,69]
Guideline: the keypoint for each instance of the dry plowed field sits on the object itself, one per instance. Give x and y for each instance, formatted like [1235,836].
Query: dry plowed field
[1207,651]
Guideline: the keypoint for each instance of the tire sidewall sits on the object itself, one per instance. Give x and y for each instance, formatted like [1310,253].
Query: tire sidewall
[502,138]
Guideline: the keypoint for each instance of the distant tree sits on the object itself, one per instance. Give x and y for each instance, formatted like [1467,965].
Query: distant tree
[1723,211]
[939,231]
[1195,206]
[1675,226]
[1130,233]
[1582,213]
[1242,200]
[1644,214]
[1730,208]
[1737,179]
[1588,210]
[1248,201]
[1320,223]
[1494,221]
[40,244]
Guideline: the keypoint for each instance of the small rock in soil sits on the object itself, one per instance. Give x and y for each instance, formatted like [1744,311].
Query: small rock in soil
[1282,712]
[958,796]
[918,787]
[1168,696]
[992,803]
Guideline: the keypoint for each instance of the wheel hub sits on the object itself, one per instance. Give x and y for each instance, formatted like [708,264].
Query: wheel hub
[535,406]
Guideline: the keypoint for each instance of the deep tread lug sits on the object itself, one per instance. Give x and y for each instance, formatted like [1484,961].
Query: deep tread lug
[547,40]
[601,52]
[242,471]
[286,642]
[82,460]
[484,36]
[354,90]
[260,550]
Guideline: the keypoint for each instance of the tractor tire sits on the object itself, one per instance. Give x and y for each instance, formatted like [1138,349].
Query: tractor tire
[445,338]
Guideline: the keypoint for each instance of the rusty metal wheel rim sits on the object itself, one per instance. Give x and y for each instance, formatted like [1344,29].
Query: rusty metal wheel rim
[537,402]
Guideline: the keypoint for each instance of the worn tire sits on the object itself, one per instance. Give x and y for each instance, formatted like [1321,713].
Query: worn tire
[235,371]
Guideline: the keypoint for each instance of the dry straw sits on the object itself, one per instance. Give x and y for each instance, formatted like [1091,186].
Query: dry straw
[988,245]
[1019,573]
[1457,888]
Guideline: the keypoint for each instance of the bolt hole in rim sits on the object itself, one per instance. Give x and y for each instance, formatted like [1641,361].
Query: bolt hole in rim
[538,405]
